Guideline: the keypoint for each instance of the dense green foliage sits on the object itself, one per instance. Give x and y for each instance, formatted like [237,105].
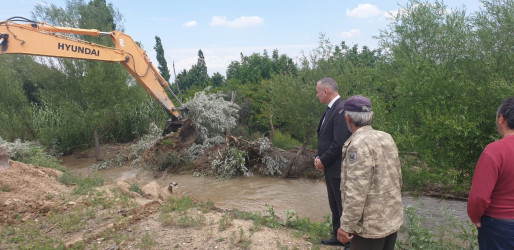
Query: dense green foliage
[196,77]
[435,82]
[61,102]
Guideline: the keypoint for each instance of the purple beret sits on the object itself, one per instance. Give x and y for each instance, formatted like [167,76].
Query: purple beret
[357,104]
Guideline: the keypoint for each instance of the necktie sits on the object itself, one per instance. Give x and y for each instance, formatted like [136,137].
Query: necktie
[326,111]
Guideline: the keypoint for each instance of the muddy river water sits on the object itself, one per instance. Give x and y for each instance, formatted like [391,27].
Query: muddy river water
[307,197]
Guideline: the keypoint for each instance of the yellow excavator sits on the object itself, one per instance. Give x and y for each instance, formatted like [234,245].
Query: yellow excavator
[42,39]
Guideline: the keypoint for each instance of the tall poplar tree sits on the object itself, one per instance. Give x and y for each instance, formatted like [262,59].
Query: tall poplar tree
[163,65]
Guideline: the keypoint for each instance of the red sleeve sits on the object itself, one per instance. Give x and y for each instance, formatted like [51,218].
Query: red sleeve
[484,181]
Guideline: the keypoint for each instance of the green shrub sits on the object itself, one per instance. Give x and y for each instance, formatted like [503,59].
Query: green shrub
[177,204]
[240,240]
[225,222]
[284,141]
[134,187]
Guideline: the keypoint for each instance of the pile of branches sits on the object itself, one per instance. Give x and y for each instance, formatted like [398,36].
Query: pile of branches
[206,147]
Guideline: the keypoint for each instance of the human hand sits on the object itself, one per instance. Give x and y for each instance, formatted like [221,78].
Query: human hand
[343,236]
[318,164]
[478,224]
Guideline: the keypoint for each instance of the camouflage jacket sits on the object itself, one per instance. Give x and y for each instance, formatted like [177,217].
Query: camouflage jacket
[371,182]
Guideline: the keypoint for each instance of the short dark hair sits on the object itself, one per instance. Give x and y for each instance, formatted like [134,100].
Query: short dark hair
[506,109]
[329,83]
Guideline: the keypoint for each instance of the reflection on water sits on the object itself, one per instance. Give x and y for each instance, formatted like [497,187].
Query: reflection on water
[307,197]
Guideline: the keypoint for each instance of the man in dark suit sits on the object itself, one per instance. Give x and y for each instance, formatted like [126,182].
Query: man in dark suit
[332,133]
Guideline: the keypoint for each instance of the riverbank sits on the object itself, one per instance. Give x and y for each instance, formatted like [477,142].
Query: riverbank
[113,208]
[39,211]
[165,156]
[54,209]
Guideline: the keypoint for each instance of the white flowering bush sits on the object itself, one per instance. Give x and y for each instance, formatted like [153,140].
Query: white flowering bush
[18,149]
[212,116]
[233,163]
[135,151]
[273,163]
[265,146]
[195,151]
[31,153]
[148,140]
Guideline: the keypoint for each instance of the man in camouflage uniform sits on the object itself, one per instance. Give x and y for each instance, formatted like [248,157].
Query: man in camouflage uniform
[371,182]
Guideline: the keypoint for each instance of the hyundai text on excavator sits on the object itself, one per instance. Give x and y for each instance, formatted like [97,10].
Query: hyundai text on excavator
[42,39]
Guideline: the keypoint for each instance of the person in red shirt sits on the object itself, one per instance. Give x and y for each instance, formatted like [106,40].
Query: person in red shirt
[491,199]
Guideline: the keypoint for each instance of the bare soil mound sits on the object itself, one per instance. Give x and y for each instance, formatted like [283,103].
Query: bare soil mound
[27,191]
[35,203]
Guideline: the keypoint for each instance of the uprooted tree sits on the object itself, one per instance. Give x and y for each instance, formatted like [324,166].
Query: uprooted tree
[206,147]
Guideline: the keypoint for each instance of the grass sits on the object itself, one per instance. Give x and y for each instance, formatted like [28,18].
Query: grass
[182,219]
[67,222]
[134,187]
[205,207]
[147,242]
[82,185]
[177,204]
[241,240]
[87,185]
[418,177]
[4,188]
[225,222]
[284,141]
[455,235]
[27,236]
[303,227]
[176,212]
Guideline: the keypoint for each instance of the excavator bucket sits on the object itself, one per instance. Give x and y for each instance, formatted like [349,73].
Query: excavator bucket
[184,127]
[172,125]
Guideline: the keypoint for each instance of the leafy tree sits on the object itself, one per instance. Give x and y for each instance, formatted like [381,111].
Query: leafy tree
[294,105]
[495,40]
[437,110]
[196,77]
[282,64]
[15,114]
[256,67]
[93,96]
[249,78]
[217,80]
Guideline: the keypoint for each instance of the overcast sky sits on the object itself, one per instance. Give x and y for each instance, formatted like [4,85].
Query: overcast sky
[223,29]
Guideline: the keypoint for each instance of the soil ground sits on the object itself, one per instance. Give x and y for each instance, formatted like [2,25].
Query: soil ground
[38,211]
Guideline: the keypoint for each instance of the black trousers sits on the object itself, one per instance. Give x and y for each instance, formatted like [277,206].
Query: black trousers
[386,243]
[334,200]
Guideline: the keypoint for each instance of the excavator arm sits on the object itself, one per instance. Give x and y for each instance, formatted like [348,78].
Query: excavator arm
[42,39]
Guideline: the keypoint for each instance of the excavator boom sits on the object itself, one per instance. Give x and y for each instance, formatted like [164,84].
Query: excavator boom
[42,39]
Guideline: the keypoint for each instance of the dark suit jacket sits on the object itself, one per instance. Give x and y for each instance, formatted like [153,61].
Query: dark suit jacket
[331,136]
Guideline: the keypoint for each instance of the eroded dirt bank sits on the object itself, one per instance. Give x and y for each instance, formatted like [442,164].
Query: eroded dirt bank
[38,211]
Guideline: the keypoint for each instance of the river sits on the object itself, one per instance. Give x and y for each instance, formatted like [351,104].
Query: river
[256,194]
